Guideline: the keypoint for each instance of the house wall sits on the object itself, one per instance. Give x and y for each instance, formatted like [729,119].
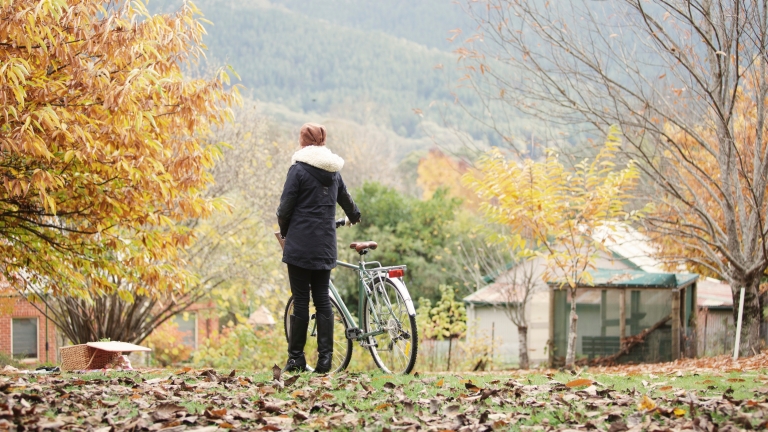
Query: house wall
[488,317]
[491,325]
[486,322]
[22,308]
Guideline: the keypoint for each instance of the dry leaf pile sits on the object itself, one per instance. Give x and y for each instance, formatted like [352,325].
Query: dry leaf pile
[207,400]
[704,364]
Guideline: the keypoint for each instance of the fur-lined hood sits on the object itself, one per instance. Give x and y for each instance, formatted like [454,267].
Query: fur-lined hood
[319,157]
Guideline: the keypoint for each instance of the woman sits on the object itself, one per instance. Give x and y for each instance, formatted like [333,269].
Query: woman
[306,216]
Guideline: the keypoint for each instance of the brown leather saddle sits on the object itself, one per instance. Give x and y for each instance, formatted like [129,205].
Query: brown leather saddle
[362,246]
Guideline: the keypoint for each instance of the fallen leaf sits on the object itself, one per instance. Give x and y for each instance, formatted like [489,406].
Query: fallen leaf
[579,383]
[618,426]
[289,382]
[646,404]
[215,413]
[471,387]
[451,410]
[434,406]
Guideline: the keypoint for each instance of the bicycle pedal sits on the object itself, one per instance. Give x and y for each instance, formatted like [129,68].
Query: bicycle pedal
[353,333]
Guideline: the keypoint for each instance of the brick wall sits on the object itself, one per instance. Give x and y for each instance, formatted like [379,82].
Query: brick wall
[22,308]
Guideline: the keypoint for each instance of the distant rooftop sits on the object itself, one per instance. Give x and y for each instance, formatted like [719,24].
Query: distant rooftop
[497,293]
[630,244]
[602,278]
[261,316]
[714,294]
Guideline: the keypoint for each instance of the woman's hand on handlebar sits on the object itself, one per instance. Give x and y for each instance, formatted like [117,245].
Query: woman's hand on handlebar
[345,222]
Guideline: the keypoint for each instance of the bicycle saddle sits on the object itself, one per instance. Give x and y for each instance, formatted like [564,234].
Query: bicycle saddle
[361,246]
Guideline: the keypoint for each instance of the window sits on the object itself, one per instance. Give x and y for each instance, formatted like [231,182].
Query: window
[187,323]
[24,337]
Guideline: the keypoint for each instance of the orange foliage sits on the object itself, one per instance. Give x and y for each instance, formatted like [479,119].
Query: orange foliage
[103,141]
[167,343]
[704,186]
[437,169]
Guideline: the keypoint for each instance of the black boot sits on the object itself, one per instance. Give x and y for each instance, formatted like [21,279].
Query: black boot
[296,340]
[324,343]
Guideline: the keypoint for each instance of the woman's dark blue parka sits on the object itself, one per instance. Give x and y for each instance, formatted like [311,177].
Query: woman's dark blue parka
[307,210]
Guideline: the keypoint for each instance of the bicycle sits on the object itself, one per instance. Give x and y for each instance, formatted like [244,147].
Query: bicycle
[388,317]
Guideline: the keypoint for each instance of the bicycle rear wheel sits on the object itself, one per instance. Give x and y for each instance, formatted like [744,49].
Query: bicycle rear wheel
[394,350]
[342,347]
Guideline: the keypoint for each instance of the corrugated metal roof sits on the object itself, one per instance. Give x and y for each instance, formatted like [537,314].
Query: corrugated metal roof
[602,278]
[713,293]
[496,293]
[630,244]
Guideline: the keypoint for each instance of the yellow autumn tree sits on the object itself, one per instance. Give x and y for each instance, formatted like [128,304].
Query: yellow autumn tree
[436,170]
[103,144]
[553,211]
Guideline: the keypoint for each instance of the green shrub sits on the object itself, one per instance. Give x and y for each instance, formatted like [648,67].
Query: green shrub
[241,347]
[7,360]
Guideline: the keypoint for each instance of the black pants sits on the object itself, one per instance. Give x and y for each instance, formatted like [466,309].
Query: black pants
[303,281]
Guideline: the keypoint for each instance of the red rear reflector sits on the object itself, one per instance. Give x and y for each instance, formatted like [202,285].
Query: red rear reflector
[396,273]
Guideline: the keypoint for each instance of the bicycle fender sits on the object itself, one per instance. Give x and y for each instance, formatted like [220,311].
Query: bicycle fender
[400,286]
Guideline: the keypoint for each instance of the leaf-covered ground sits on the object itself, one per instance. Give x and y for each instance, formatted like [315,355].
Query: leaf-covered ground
[706,395]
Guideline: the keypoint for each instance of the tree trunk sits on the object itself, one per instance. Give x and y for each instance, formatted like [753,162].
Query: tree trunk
[750,342]
[450,340]
[570,354]
[522,334]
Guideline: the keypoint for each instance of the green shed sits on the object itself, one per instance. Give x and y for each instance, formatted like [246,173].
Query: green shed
[652,313]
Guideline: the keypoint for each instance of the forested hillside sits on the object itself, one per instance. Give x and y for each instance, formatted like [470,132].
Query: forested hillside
[302,55]
[312,65]
[427,22]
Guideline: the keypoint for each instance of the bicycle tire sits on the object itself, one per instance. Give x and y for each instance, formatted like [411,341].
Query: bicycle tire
[342,347]
[384,347]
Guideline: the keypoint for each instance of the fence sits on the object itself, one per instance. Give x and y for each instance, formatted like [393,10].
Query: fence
[717,332]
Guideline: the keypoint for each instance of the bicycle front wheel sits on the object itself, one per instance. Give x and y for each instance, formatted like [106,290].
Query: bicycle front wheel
[394,349]
[342,347]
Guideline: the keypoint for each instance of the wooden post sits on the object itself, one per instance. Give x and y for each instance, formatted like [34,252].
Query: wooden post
[675,324]
[603,311]
[622,316]
[551,341]
[694,320]
[493,342]
[706,329]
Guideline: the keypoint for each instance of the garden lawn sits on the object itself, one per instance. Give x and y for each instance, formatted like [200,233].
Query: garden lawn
[725,396]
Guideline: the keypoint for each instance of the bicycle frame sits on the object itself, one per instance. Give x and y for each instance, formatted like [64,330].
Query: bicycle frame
[363,291]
